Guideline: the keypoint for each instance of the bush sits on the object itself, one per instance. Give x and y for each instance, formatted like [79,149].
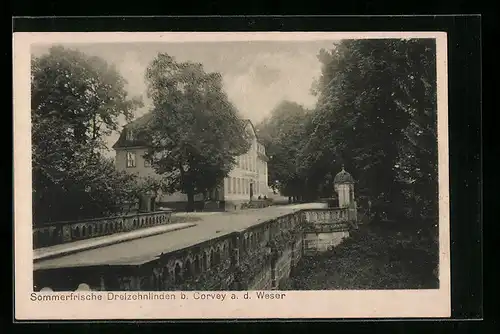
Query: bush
[373,258]
[88,186]
[257,204]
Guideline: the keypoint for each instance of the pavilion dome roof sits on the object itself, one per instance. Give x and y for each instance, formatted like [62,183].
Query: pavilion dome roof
[343,177]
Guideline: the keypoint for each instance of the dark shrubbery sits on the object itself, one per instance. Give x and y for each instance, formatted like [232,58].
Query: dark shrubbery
[373,258]
[257,204]
[76,101]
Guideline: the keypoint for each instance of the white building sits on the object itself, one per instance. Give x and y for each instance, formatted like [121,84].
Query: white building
[247,180]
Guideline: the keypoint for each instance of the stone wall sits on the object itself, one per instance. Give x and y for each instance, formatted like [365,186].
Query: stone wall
[259,257]
[320,242]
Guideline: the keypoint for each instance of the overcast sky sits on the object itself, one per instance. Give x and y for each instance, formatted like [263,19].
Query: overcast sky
[257,75]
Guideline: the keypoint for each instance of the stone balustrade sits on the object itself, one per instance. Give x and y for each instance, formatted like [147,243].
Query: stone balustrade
[326,228]
[259,257]
[327,215]
[68,231]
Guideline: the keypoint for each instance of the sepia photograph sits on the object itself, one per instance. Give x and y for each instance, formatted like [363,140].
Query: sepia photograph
[205,171]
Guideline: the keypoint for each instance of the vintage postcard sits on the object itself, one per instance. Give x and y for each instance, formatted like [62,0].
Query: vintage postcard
[231,175]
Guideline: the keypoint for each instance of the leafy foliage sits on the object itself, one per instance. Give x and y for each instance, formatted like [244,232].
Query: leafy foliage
[373,258]
[76,101]
[195,133]
[84,92]
[376,114]
[377,111]
[283,134]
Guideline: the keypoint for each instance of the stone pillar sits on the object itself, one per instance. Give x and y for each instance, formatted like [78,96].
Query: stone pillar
[344,186]
[343,195]
[145,203]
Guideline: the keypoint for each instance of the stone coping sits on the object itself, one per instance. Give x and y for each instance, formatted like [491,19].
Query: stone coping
[88,244]
[91,220]
[145,249]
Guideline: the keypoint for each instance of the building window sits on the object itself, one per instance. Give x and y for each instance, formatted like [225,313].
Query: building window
[238,185]
[234,185]
[130,159]
[229,185]
[130,134]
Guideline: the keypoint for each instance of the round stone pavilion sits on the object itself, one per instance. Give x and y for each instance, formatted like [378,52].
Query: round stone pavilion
[344,186]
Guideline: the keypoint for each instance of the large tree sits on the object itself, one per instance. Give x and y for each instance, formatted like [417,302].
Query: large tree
[417,164]
[283,134]
[84,92]
[76,101]
[376,114]
[195,133]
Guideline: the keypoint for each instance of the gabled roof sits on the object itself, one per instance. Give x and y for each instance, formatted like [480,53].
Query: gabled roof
[249,122]
[122,141]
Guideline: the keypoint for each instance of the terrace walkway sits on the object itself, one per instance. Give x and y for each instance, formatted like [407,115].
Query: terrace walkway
[146,246]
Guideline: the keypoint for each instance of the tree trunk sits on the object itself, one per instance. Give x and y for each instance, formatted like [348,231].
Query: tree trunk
[190,202]
[153,203]
[94,129]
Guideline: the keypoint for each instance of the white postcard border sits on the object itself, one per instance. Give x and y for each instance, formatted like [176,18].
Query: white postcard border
[295,304]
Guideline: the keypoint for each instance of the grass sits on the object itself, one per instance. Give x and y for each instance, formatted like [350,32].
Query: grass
[374,257]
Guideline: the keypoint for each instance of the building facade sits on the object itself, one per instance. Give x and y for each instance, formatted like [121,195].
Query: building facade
[247,181]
